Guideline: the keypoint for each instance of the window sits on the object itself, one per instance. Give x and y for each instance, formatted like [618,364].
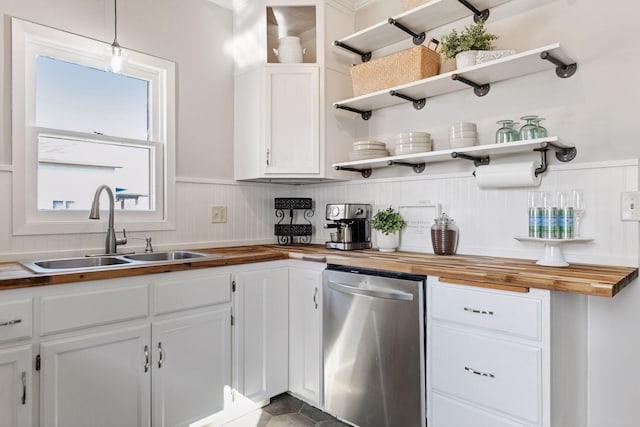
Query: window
[76,127]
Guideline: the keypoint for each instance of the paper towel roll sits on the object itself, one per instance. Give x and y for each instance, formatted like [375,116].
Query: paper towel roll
[522,174]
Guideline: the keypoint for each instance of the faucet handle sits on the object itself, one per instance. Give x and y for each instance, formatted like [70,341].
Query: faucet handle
[122,241]
[148,247]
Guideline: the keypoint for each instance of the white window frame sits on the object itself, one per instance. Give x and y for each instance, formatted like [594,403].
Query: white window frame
[29,41]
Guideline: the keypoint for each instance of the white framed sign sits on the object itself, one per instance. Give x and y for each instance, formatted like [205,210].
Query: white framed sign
[416,235]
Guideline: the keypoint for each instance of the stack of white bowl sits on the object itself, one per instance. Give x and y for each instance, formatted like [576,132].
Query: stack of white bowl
[412,142]
[463,134]
[365,149]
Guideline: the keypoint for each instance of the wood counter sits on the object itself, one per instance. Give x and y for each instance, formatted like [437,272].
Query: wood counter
[596,280]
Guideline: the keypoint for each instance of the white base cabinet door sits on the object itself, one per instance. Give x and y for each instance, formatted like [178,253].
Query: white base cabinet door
[97,380]
[305,333]
[15,387]
[191,367]
[261,334]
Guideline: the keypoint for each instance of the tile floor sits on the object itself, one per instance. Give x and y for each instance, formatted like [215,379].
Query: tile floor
[287,411]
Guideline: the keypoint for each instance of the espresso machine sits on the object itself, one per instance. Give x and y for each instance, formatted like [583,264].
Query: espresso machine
[351,226]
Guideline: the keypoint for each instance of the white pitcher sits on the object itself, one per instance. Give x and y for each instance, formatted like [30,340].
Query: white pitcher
[289,50]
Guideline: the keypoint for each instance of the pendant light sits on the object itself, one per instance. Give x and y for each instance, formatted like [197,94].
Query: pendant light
[116,56]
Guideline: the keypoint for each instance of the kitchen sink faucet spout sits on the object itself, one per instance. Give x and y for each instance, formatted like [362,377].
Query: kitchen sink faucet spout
[111,243]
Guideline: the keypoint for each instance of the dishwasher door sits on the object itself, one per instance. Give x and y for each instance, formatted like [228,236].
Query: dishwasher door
[373,347]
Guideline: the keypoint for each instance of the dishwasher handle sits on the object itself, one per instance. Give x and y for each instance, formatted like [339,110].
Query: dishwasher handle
[348,289]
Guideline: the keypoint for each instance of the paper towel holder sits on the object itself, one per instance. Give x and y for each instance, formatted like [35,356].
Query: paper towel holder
[564,154]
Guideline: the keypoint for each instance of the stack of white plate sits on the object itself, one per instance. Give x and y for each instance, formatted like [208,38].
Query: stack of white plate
[365,149]
[412,142]
[463,134]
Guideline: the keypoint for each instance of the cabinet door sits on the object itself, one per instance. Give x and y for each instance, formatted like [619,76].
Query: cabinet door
[305,333]
[97,380]
[191,367]
[262,320]
[292,122]
[15,387]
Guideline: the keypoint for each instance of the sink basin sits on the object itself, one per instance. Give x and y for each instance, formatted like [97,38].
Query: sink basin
[80,263]
[166,256]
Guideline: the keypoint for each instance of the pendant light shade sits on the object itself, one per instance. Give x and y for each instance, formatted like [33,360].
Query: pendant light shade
[115,56]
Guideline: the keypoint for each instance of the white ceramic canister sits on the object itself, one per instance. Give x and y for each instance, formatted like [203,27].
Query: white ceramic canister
[289,50]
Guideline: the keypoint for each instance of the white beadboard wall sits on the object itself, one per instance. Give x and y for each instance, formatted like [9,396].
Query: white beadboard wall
[490,218]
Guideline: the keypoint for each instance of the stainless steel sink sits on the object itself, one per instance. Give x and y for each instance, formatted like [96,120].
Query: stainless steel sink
[110,261]
[167,256]
[80,263]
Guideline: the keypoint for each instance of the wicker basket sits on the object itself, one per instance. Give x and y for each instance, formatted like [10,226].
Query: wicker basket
[411,4]
[402,67]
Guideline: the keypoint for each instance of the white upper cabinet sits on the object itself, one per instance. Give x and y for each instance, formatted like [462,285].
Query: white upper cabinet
[284,127]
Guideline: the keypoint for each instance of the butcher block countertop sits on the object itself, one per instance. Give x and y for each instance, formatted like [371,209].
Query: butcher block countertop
[506,273]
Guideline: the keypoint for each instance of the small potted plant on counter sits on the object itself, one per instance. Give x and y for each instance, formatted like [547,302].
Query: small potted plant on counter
[465,46]
[388,224]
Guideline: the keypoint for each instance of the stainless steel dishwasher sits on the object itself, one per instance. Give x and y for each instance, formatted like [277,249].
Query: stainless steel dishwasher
[374,347]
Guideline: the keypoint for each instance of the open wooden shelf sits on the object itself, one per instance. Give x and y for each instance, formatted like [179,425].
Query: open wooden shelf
[446,155]
[423,18]
[520,64]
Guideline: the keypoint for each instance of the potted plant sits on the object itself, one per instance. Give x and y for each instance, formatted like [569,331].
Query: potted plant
[464,46]
[388,223]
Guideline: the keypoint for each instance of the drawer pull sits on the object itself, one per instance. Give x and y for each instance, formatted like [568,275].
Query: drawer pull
[473,310]
[11,322]
[482,374]
[315,301]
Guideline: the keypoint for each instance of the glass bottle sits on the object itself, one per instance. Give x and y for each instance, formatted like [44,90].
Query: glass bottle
[528,130]
[444,236]
[535,213]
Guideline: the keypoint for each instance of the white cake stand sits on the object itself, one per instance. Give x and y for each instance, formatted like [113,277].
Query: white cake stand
[552,249]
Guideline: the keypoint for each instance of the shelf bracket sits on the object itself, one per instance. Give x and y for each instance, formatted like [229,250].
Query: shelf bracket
[366,115]
[365,56]
[418,104]
[564,154]
[562,70]
[478,15]
[417,167]
[366,173]
[418,38]
[479,90]
[477,160]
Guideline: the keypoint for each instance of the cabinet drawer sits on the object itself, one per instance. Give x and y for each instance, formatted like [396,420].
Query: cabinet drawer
[487,309]
[16,320]
[447,412]
[191,290]
[497,374]
[85,309]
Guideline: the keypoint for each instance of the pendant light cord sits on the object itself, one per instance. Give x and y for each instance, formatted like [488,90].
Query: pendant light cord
[115,21]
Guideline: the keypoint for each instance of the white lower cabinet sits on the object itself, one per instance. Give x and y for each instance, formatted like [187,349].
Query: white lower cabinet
[261,333]
[15,386]
[97,379]
[305,333]
[191,367]
[488,355]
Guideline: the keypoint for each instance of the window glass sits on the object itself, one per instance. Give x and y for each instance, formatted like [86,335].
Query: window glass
[70,170]
[78,98]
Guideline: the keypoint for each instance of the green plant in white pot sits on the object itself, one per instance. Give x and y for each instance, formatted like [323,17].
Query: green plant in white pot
[465,45]
[388,224]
